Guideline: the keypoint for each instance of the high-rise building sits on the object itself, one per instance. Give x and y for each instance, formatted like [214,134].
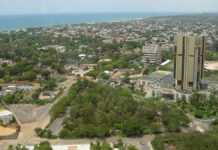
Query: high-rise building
[189,61]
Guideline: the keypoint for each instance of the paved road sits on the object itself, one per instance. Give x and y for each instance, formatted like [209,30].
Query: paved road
[56,126]
[141,143]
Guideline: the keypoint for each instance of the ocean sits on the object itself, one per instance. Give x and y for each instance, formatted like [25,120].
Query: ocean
[13,22]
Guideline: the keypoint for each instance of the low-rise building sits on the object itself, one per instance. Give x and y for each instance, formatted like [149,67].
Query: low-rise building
[24,87]
[58,48]
[67,147]
[47,95]
[105,60]
[6,116]
[6,61]
[12,88]
[155,84]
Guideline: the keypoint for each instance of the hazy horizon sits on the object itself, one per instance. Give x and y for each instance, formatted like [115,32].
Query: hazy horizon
[99,13]
[13,7]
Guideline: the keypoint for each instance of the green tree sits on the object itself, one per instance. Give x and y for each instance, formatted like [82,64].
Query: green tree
[185,141]
[101,146]
[131,147]
[49,84]
[18,147]
[29,75]
[2,73]
[98,110]
[43,146]
[94,73]
[167,54]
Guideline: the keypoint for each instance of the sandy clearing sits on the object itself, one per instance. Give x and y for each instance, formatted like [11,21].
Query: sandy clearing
[4,131]
[211,65]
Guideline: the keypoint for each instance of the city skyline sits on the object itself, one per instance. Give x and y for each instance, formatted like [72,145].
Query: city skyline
[99,6]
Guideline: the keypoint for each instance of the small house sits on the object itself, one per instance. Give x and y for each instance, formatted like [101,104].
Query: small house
[6,117]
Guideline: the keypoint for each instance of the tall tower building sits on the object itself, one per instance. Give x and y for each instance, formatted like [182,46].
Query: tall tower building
[189,61]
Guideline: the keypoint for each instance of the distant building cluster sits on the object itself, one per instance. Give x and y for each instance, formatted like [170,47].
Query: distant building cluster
[189,57]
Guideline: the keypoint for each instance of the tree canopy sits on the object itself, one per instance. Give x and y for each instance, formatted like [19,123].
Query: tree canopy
[98,110]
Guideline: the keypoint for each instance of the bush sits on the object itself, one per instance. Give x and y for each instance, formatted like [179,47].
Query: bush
[43,146]
[49,84]
[18,147]
[46,133]
[13,98]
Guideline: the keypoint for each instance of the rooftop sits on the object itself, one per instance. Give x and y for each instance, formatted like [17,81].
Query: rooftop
[67,147]
[5,112]
[151,48]
[159,74]
[161,78]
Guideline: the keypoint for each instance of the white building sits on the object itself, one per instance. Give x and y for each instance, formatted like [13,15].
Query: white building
[6,116]
[66,147]
[152,54]
[25,87]
[58,48]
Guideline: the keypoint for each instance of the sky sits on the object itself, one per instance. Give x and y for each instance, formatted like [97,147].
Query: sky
[89,6]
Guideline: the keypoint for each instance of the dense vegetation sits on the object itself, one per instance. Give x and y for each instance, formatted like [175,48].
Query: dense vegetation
[28,67]
[96,110]
[106,146]
[20,97]
[211,75]
[167,54]
[186,141]
[212,55]
[41,146]
[13,98]
[201,106]
[44,133]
